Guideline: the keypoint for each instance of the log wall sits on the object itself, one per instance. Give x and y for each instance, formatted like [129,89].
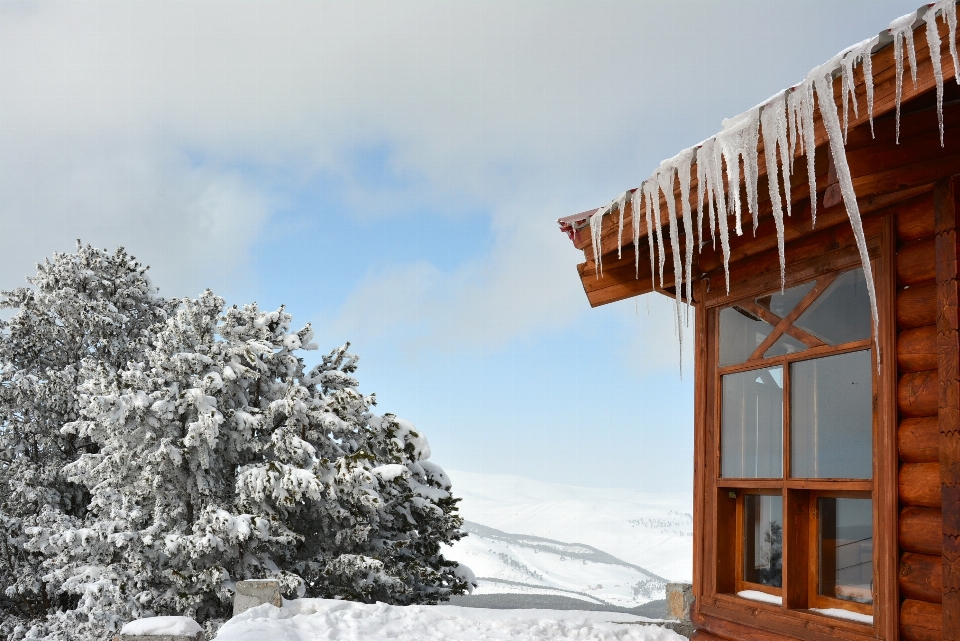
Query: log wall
[918,434]
[948,415]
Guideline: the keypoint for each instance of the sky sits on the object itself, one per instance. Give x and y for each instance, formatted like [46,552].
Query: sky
[392,172]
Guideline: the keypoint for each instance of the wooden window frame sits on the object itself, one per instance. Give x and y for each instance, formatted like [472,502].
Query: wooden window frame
[717,579]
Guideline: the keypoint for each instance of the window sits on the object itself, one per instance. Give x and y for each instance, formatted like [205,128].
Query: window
[796,382]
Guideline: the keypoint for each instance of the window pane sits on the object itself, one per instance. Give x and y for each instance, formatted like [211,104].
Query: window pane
[841,313]
[752,424]
[784,345]
[740,334]
[846,549]
[763,539]
[831,410]
[783,304]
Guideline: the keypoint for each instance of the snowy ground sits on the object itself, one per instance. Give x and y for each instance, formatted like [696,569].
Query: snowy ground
[314,619]
[520,564]
[644,533]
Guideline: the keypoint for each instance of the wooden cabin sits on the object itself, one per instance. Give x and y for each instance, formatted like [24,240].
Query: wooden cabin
[827,446]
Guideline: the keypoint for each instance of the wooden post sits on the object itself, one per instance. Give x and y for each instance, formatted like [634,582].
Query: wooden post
[948,375]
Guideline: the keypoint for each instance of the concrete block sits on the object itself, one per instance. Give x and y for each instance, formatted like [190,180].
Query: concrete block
[679,600]
[250,594]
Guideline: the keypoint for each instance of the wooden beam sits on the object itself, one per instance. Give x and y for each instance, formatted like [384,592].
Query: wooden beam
[948,375]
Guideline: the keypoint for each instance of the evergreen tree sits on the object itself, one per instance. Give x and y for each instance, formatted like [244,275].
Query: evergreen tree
[87,305]
[214,456]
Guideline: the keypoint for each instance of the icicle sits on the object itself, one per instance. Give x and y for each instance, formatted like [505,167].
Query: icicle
[710,159]
[933,43]
[621,204]
[948,9]
[648,197]
[635,203]
[704,193]
[860,52]
[773,122]
[665,181]
[800,108]
[868,80]
[902,29]
[831,122]
[682,163]
[653,198]
[794,126]
[739,140]
[596,227]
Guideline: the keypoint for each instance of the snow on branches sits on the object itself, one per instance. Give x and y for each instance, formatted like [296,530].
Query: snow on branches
[207,454]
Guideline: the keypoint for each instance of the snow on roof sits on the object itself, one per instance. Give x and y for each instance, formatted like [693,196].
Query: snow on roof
[786,123]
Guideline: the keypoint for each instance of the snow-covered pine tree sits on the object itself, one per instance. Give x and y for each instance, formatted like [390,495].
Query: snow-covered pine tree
[219,458]
[89,304]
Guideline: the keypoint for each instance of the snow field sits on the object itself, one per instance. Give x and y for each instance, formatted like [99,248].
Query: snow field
[491,559]
[653,531]
[315,619]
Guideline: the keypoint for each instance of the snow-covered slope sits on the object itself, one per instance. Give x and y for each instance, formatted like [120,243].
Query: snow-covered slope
[521,564]
[652,531]
[311,619]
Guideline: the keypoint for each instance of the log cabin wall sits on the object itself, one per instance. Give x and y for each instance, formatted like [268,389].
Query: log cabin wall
[918,434]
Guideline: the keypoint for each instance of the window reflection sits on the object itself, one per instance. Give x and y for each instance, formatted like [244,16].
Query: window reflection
[831,410]
[840,314]
[783,304]
[784,345]
[763,539]
[752,424]
[846,549]
[740,334]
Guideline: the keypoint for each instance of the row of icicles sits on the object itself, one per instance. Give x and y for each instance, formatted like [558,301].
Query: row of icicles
[786,122]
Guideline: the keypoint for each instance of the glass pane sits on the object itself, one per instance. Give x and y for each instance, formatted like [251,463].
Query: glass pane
[740,333]
[752,424]
[763,539]
[783,304]
[831,410]
[784,345]
[841,313]
[846,549]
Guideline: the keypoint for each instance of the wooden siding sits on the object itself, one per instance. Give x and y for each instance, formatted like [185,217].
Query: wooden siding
[927,406]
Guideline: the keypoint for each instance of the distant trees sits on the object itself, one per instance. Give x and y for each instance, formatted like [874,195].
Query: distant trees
[157,451]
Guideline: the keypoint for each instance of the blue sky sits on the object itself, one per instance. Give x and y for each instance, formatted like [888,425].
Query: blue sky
[392,173]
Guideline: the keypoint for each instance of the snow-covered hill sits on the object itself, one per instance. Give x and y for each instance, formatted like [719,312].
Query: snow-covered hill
[523,564]
[603,546]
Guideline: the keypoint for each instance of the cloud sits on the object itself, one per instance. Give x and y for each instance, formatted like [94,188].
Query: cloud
[527,284]
[170,127]
[192,224]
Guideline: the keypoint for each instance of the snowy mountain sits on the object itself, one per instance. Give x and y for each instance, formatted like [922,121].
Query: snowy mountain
[610,547]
